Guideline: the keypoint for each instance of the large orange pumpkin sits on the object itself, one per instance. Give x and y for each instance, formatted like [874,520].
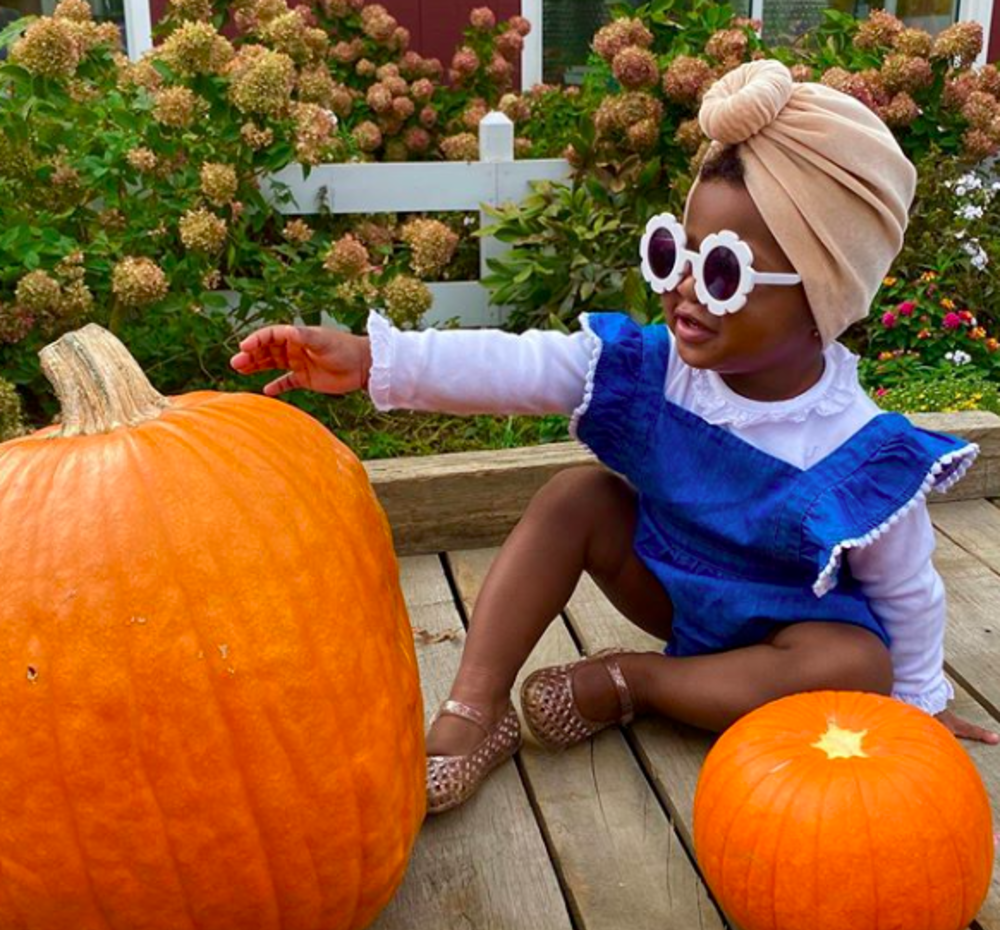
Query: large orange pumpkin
[210,714]
[843,811]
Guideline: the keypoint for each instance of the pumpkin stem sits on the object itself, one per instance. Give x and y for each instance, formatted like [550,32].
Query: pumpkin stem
[99,385]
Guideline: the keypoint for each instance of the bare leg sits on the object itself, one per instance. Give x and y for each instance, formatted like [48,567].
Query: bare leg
[713,691]
[582,520]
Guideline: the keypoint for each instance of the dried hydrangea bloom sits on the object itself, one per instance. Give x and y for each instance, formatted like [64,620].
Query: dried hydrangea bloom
[981,110]
[218,183]
[643,136]
[379,98]
[958,88]
[77,301]
[367,136]
[475,113]
[142,159]
[138,74]
[902,72]
[377,24]
[346,53]
[400,40]
[406,301]
[609,40]
[403,108]
[901,111]
[11,417]
[482,18]
[196,48]
[315,85]
[635,68]
[686,79]
[16,322]
[194,10]
[396,150]
[77,10]
[689,136]
[988,80]
[211,280]
[463,146]
[515,108]
[519,24]
[465,62]
[262,81]
[510,44]
[178,107]
[802,74]
[48,48]
[255,136]
[365,68]
[298,231]
[202,231]
[348,257]
[314,130]
[729,47]
[422,90]
[880,30]
[138,282]
[428,117]
[959,44]
[915,42]
[432,246]
[38,292]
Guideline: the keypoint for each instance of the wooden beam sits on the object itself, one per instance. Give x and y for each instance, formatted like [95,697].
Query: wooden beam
[469,500]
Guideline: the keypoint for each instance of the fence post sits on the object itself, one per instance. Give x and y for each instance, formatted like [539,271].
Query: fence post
[496,145]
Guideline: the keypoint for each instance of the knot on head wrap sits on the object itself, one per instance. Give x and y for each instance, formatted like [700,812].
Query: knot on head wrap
[744,101]
[826,174]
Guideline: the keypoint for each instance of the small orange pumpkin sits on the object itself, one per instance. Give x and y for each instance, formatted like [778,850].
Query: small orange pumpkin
[210,713]
[843,811]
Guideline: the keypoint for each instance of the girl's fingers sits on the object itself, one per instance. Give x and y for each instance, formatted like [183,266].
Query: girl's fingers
[269,336]
[287,382]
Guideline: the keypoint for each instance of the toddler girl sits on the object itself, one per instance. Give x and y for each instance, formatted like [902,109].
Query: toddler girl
[757,512]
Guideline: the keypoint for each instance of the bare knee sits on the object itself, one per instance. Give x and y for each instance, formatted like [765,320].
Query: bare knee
[583,497]
[836,656]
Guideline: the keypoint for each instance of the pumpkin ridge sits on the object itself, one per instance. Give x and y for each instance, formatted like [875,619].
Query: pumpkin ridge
[929,800]
[143,769]
[142,484]
[131,452]
[51,703]
[855,771]
[787,798]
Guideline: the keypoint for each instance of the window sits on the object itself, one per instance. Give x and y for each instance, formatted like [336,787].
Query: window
[786,19]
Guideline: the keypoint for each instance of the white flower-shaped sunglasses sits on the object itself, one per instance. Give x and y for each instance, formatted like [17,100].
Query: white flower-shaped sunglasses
[722,268]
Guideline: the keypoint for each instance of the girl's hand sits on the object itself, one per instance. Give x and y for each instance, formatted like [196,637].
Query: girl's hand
[315,357]
[965,730]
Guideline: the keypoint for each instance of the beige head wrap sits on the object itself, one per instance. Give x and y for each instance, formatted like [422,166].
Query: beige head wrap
[828,178]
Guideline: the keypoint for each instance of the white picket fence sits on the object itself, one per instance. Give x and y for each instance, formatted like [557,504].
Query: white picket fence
[430,187]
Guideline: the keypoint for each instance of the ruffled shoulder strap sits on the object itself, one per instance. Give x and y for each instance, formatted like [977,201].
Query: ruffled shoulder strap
[858,493]
[624,387]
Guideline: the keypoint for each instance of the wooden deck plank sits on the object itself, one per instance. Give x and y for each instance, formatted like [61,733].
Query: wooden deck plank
[484,865]
[621,863]
[987,759]
[964,553]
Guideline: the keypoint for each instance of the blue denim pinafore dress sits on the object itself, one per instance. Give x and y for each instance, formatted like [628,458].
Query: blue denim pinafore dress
[744,542]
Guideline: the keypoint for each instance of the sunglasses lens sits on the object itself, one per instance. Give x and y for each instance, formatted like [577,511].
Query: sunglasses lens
[722,273]
[662,253]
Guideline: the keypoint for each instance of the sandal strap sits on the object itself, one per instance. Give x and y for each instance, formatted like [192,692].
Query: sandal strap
[621,685]
[466,711]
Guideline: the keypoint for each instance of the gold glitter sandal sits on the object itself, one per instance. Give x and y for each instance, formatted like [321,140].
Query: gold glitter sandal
[550,711]
[451,780]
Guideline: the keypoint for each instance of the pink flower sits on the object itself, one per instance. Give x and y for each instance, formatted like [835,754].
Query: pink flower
[906,308]
[952,321]
[881,392]
[889,320]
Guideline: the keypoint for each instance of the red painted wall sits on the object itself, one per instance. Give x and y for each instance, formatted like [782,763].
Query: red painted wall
[993,49]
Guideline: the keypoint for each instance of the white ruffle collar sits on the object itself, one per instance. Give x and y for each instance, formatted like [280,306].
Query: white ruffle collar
[835,391]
